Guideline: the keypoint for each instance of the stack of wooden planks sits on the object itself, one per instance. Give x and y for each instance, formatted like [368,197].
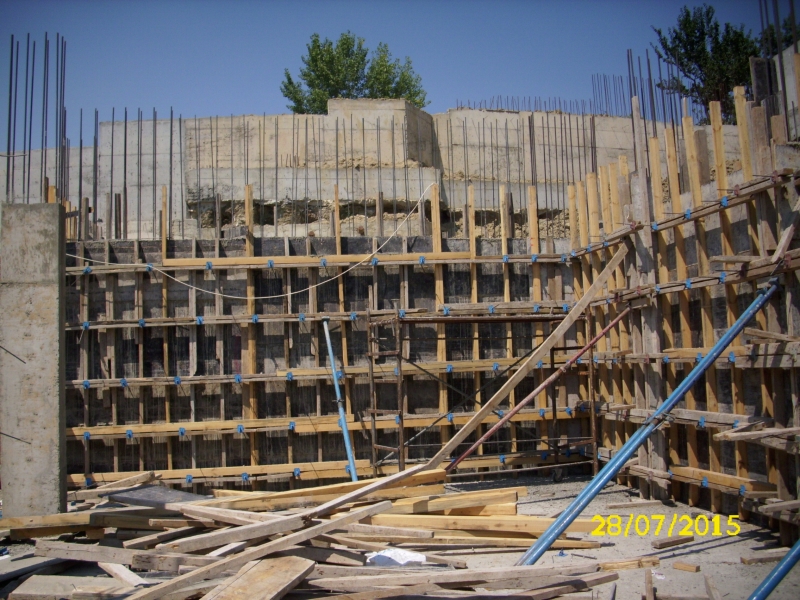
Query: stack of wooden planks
[402,535]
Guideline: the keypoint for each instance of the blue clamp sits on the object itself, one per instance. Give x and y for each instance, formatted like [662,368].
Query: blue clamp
[541,412]
[654,226]
[658,289]
[704,482]
[589,248]
[567,452]
[87,436]
[200,320]
[736,423]
[499,413]
[296,472]
[396,371]
[669,472]
[688,284]
[565,306]
[595,360]
[732,357]
[291,425]
[237,378]
[422,260]
[723,202]
[446,311]
[87,270]
[502,459]
[149,267]
[323,262]
[289,376]
[742,490]
[89,481]
[301,317]
[491,309]
[240,428]
[702,423]
[608,300]
[85,325]
[545,455]
[129,434]
[86,384]
[496,367]
[449,417]
[347,469]
[209,266]
[271,263]
[181,431]
[505,258]
[353,316]
[448,369]
[539,364]
[189,478]
[582,450]
[339,375]
[722,277]
[123,382]
[572,253]
[536,308]
[605,244]
[688,214]
[397,419]
[142,323]
[579,360]
[665,360]
[614,361]
[561,553]
[254,318]
[534,258]
[699,356]
[568,410]
[402,314]
[177,380]
[374,261]
[245,478]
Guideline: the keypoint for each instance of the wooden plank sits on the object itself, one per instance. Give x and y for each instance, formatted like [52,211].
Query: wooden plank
[264,580]
[389,531]
[238,560]
[669,542]
[711,589]
[450,578]
[136,558]
[122,574]
[521,523]
[679,565]
[539,354]
[776,507]
[234,534]
[377,547]
[766,556]
[451,501]
[639,562]
[158,537]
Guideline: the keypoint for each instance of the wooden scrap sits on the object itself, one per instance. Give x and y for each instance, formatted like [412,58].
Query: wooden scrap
[640,562]
[685,566]
[764,556]
[669,542]
[635,504]
[122,574]
[159,537]
[375,547]
[56,587]
[263,579]
[649,588]
[521,523]
[711,589]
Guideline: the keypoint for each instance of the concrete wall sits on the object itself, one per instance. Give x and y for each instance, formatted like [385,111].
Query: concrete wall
[366,147]
[33,359]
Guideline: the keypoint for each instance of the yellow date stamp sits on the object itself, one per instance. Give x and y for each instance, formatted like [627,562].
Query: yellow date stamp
[663,525]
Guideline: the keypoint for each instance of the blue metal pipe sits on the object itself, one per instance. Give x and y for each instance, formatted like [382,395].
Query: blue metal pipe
[340,403]
[622,456]
[777,574]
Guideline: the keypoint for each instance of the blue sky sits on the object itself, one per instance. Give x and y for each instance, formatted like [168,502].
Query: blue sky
[227,57]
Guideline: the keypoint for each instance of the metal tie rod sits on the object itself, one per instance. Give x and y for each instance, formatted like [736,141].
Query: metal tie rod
[540,388]
[559,526]
[340,403]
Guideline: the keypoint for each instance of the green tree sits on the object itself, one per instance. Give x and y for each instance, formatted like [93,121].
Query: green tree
[769,41]
[342,70]
[710,59]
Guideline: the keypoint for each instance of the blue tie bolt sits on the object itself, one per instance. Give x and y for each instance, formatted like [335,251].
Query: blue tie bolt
[422,260]
[200,320]
[87,270]
[245,478]
[240,428]
[323,262]
[301,317]
[182,431]
[291,425]
[141,323]
[534,258]
[237,378]
[446,311]
[402,314]
[254,318]
[724,202]
[496,367]
[505,258]
[353,316]
[177,380]
[563,258]
[289,376]
[502,459]
[536,308]
[209,266]
[448,369]
[85,325]
[123,382]
[129,434]
[271,263]
[86,384]
[189,479]
[296,472]
[541,413]
[87,436]
[491,309]
[374,261]
[449,417]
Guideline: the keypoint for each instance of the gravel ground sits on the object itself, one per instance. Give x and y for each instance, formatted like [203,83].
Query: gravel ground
[718,557]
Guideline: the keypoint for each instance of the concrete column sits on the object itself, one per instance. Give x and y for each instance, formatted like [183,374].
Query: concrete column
[32,359]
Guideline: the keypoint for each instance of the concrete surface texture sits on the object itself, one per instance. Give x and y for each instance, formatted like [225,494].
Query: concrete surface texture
[33,359]
[719,557]
[368,148]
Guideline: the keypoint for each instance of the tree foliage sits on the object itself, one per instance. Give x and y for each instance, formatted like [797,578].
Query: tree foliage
[343,70]
[710,59]
[769,41]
